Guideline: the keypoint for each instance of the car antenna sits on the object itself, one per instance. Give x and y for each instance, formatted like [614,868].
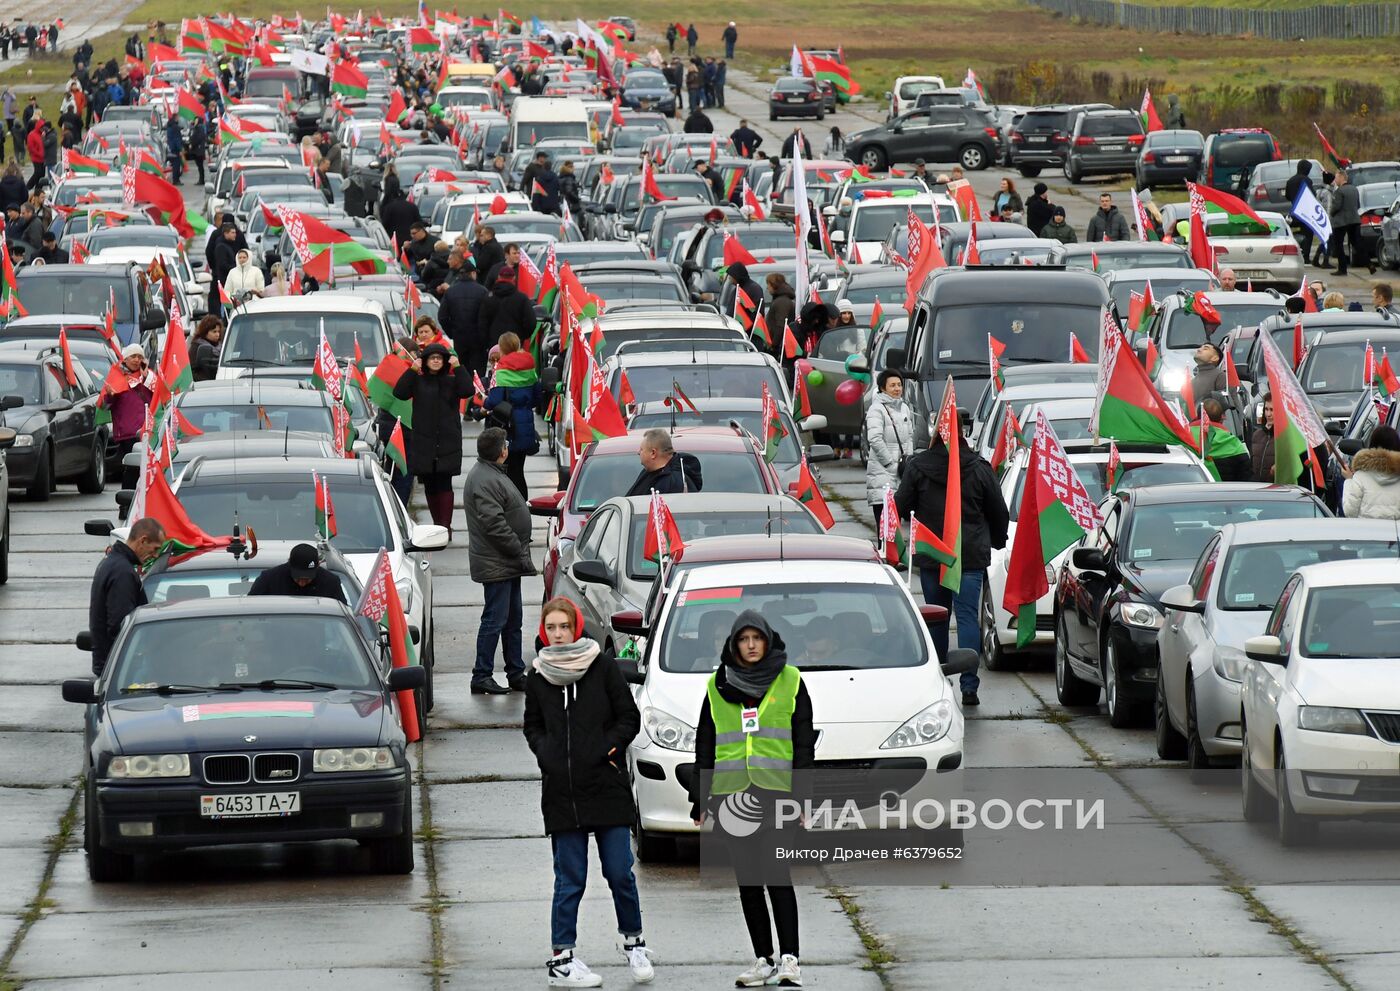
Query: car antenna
[286,440]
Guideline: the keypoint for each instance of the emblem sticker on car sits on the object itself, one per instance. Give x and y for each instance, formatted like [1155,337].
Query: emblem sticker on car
[247,710]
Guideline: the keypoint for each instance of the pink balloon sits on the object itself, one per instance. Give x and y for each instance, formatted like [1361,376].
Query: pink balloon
[848,393]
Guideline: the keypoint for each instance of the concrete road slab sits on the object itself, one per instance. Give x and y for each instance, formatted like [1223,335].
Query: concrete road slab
[23,706]
[56,564]
[42,663]
[330,979]
[51,625]
[609,964]
[1157,973]
[61,541]
[29,521]
[454,755]
[1018,743]
[490,810]
[1345,851]
[31,815]
[41,759]
[1351,920]
[28,592]
[21,869]
[455,707]
[1003,693]
[1116,746]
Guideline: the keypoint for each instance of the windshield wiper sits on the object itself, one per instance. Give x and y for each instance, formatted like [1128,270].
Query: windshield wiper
[271,683]
[253,362]
[170,689]
[830,667]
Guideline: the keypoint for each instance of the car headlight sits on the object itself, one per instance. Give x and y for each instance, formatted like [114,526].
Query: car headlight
[1140,615]
[1229,663]
[1172,380]
[24,440]
[928,725]
[1328,719]
[339,759]
[405,590]
[667,731]
[150,766]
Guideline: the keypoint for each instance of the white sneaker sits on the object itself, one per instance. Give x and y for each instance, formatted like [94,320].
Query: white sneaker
[567,971]
[788,974]
[757,975]
[639,959]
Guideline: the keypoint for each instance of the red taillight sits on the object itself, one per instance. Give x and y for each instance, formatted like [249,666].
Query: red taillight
[992,132]
[1058,138]
[1284,249]
[1148,157]
[1220,250]
[1136,139]
[1083,142]
[1210,173]
[813,96]
[1372,218]
[1017,138]
[1261,192]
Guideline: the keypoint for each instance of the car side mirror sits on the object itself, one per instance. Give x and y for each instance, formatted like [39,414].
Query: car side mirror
[960,660]
[895,358]
[933,615]
[11,402]
[80,690]
[593,572]
[838,237]
[1180,598]
[547,505]
[610,208]
[124,498]
[209,189]
[1334,428]
[1266,649]
[132,460]
[630,623]
[7,437]
[897,129]
[817,421]
[820,452]
[153,319]
[407,679]
[83,641]
[414,634]
[58,406]
[631,673]
[98,528]
[1351,446]
[1089,559]
[427,537]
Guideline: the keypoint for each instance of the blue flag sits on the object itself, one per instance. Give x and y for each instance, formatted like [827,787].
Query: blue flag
[1312,214]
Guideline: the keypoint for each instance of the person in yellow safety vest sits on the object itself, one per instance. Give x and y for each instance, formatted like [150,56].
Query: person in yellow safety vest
[755,730]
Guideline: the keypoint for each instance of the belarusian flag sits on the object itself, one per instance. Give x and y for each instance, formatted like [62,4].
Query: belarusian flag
[190,108]
[995,349]
[421,40]
[892,546]
[1240,218]
[398,454]
[1153,360]
[1150,121]
[791,349]
[773,429]
[325,370]
[380,602]
[927,543]
[829,70]
[1385,381]
[227,40]
[810,495]
[68,372]
[192,41]
[509,18]
[1010,438]
[745,309]
[9,287]
[157,501]
[950,432]
[139,186]
[1127,407]
[1140,307]
[1114,463]
[1055,512]
[663,537]
[348,80]
[1338,162]
[1077,354]
[82,165]
[325,511]
[1218,445]
[1196,303]
[1297,429]
[751,201]
[802,399]
[877,315]
[734,251]
[175,356]
[320,245]
[649,186]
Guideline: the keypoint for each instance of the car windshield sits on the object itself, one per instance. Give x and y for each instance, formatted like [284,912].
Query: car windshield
[700,380]
[1122,290]
[910,90]
[611,292]
[788,451]
[225,416]
[215,650]
[865,295]
[1094,475]
[1186,331]
[507,226]
[286,510]
[264,339]
[173,586]
[1031,331]
[75,294]
[22,381]
[1361,175]
[1117,261]
[1335,368]
[131,237]
[831,624]
[646,80]
[693,526]
[873,223]
[604,476]
[1352,621]
[1235,151]
[678,187]
[759,243]
[1178,531]
[1255,573]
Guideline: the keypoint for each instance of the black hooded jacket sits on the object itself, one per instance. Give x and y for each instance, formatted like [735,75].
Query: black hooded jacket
[739,273]
[804,735]
[923,489]
[506,310]
[680,474]
[437,423]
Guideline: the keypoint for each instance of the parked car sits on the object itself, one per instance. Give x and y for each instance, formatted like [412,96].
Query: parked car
[1103,142]
[906,90]
[1169,158]
[1376,198]
[1042,137]
[796,97]
[1230,156]
[1266,184]
[962,135]
[57,437]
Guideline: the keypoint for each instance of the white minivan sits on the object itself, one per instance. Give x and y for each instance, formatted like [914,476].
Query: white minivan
[536,118]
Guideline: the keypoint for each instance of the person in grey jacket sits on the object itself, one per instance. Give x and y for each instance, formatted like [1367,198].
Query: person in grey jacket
[1346,226]
[1107,224]
[889,437]
[498,521]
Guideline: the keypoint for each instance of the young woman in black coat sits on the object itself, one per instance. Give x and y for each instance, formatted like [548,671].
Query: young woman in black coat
[437,385]
[579,718]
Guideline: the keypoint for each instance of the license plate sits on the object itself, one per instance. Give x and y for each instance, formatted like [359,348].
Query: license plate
[1036,140]
[263,804]
[1177,159]
[1251,273]
[1111,147]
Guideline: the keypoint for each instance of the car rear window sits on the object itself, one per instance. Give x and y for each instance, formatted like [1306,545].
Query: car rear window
[603,476]
[1103,127]
[793,85]
[1251,149]
[1037,120]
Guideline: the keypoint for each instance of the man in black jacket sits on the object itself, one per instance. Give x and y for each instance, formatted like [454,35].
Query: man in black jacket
[1299,180]
[664,469]
[487,252]
[746,139]
[116,586]
[507,309]
[302,575]
[460,317]
[1039,210]
[922,491]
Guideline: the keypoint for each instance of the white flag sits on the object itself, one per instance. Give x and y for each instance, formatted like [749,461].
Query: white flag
[795,68]
[1312,214]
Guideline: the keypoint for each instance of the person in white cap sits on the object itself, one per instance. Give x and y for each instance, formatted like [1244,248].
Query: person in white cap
[730,36]
[846,313]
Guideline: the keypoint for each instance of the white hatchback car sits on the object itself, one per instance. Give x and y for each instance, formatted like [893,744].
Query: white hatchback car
[1320,700]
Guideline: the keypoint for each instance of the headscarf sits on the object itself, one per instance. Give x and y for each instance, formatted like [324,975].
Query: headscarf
[752,679]
[565,664]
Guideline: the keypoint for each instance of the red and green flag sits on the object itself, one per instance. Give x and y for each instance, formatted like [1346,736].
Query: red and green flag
[189,107]
[82,165]
[1148,112]
[1077,354]
[1240,218]
[832,71]
[348,80]
[380,603]
[1140,307]
[810,495]
[1010,438]
[773,429]
[1385,380]
[663,536]
[950,433]
[68,373]
[995,349]
[320,247]
[422,41]
[10,306]
[395,449]
[175,357]
[928,544]
[1338,162]
[877,315]
[1056,511]
[1297,428]
[325,509]
[892,545]
[1128,407]
[800,393]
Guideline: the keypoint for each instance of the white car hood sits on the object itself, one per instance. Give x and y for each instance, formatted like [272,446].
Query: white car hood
[1352,684]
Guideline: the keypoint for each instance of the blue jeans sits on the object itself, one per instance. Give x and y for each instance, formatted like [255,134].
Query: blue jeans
[502,618]
[571,877]
[966,605]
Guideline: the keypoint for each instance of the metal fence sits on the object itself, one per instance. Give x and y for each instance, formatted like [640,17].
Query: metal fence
[1371,20]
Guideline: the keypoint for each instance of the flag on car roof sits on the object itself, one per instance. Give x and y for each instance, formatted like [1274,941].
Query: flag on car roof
[325,509]
[1010,438]
[773,428]
[1077,354]
[380,602]
[663,536]
[348,80]
[810,495]
[1128,407]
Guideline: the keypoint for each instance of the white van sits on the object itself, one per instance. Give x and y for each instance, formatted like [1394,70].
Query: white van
[535,118]
[907,89]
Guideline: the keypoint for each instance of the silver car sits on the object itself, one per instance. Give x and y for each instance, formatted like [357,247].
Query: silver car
[604,570]
[1227,600]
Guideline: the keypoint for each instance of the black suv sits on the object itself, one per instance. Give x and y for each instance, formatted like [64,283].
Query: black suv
[964,135]
[1104,142]
[1043,134]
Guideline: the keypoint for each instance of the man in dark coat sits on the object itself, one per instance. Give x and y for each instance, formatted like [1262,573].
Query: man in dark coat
[198,146]
[498,520]
[487,252]
[692,38]
[51,253]
[790,145]
[225,258]
[174,149]
[1297,182]
[398,216]
[738,273]
[699,123]
[459,316]
[664,468]
[419,246]
[536,166]
[1039,210]
[116,586]
[1107,224]
[507,309]
[922,491]
[301,575]
[544,190]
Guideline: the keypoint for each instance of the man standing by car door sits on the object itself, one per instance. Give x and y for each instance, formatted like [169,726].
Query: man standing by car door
[116,586]
[923,490]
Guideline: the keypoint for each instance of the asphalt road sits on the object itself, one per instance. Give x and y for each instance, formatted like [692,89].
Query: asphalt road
[1196,898]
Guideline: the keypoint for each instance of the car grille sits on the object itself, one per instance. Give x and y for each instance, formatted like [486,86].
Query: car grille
[227,769]
[276,768]
[1386,725]
[839,781]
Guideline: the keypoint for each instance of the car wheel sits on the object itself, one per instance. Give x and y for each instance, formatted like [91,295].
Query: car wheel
[1121,713]
[1197,759]
[1171,745]
[1387,257]
[394,854]
[5,550]
[873,158]
[1070,689]
[1255,801]
[653,848]
[104,866]
[772,116]
[42,484]
[1029,171]
[1294,828]
[429,661]
[821,115]
[1071,173]
[973,158]
[92,481]
[993,657]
